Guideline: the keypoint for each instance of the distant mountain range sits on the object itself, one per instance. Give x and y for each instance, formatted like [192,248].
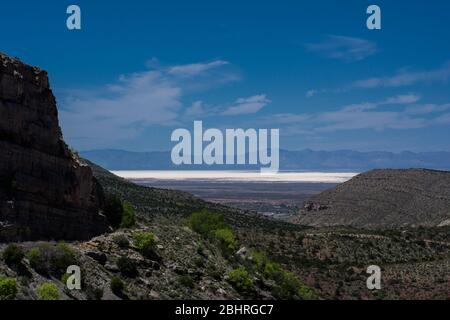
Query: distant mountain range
[303,160]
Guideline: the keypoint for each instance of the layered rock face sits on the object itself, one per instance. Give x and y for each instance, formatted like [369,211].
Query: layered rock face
[45,191]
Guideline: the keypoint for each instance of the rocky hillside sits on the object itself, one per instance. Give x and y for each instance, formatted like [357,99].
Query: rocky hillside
[183,264]
[45,191]
[173,204]
[383,199]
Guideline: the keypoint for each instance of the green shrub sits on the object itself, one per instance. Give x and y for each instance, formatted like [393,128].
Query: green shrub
[37,260]
[212,225]
[287,288]
[240,279]
[201,249]
[306,293]
[144,241]
[290,288]
[199,262]
[273,271]
[206,222]
[61,258]
[127,267]
[117,285]
[48,259]
[226,240]
[121,241]
[113,209]
[64,278]
[8,288]
[119,213]
[269,269]
[186,281]
[48,291]
[259,260]
[128,217]
[13,255]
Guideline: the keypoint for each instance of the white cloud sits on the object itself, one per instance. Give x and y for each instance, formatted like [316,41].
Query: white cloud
[403,99]
[344,48]
[443,119]
[196,109]
[405,78]
[366,115]
[248,105]
[194,69]
[428,108]
[395,100]
[119,111]
[350,120]
[283,118]
[360,106]
[311,93]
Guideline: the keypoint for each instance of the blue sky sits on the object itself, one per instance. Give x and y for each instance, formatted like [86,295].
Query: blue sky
[139,69]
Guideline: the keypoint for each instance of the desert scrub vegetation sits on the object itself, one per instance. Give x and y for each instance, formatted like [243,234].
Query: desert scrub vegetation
[212,226]
[64,278]
[145,243]
[241,280]
[121,240]
[8,288]
[120,214]
[128,216]
[227,242]
[48,291]
[48,259]
[288,286]
[186,281]
[13,255]
[206,223]
[127,267]
[117,286]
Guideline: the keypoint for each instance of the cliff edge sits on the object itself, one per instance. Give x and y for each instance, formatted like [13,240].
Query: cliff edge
[46,192]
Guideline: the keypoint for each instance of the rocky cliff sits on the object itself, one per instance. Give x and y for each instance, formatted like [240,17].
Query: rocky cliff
[383,199]
[45,191]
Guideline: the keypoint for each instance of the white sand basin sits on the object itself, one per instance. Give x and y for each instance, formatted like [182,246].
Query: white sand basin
[315,177]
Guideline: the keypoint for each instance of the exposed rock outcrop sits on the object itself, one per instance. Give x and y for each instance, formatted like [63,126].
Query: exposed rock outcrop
[46,192]
[383,199]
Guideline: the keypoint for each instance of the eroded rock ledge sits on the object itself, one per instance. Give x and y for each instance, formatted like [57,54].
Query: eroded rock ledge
[45,191]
